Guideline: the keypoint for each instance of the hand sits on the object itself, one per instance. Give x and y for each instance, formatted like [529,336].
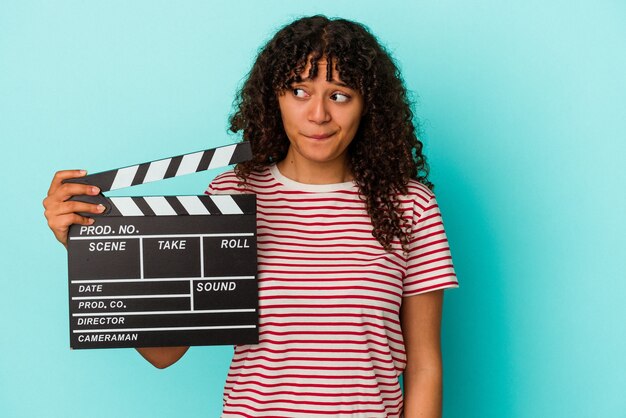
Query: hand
[60,212]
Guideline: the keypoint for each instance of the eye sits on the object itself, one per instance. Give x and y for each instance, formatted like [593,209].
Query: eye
[340,97]
[298,92]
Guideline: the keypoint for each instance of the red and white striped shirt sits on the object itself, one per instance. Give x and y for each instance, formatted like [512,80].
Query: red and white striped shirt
[330,338]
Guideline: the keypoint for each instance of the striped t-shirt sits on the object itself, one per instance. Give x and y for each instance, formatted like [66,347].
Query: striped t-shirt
[330,338]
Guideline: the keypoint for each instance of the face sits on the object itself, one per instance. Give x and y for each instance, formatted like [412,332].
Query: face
[320,118]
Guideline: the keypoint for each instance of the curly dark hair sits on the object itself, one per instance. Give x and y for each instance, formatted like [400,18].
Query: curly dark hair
[385,152]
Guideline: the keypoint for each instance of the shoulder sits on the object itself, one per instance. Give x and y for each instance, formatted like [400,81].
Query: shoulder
[418,193]
[418,202]
[230,183]
[226,177]
[227,182]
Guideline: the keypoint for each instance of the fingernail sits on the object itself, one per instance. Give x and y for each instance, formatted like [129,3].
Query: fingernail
[91,221]
[101,208]
[95,190]
[82,172]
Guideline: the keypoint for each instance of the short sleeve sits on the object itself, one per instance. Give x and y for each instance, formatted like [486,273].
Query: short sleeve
[429,263]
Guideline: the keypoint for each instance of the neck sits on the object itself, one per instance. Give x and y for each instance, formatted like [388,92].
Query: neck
[304,171]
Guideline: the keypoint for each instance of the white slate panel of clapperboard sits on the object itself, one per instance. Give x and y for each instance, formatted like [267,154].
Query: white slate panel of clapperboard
[165,270]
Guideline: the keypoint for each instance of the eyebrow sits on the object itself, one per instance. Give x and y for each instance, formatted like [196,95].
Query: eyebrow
[335,82]
[339,83]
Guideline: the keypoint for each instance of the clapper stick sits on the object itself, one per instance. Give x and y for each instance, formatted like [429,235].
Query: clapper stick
[157,271]
[158,170]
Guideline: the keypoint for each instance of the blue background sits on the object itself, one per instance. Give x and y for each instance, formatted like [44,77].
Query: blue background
[523,109]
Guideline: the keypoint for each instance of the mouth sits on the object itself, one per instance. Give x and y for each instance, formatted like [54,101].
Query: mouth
[320,136]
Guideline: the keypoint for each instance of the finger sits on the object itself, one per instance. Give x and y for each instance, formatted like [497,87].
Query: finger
[68,190]
[81,220]
[73,206]
[57,214]
[59,176]
[64,192]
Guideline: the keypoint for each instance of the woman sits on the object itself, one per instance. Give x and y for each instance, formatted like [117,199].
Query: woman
[352,255]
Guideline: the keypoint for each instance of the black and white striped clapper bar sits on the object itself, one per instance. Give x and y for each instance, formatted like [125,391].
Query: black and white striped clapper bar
[159,271]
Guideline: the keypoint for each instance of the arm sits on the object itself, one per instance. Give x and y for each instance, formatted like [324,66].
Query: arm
[420,317]
[60,214]
[162,357]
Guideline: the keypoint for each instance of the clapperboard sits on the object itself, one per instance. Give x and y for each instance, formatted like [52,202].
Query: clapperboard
[158,271]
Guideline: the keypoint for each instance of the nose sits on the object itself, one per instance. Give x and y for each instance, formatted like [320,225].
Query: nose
[318,111]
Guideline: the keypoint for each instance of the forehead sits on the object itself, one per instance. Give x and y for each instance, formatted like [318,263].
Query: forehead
[319,68]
